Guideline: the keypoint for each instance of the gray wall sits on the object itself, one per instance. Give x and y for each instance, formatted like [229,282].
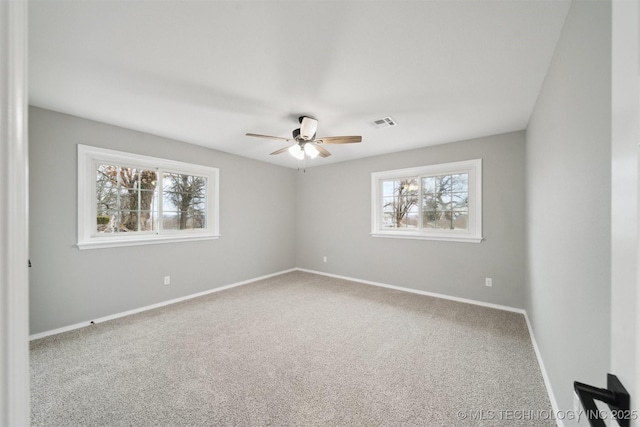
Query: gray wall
[334,211]
[69,286]
[568,204]
[625,218]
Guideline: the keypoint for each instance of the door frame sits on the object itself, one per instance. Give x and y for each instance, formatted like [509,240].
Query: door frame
[14,219]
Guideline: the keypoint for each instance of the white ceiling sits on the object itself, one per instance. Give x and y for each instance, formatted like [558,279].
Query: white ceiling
[207,72]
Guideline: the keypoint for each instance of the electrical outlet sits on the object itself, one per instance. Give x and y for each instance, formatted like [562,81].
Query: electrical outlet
[167,280]
[488,281]
[324,259]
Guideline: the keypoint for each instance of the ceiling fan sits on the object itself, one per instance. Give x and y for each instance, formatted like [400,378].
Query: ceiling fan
[305,142]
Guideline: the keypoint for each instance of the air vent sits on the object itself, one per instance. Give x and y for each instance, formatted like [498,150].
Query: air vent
[385,122]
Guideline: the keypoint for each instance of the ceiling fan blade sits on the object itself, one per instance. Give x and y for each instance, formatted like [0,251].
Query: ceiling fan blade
[338,139]
[323,152]
[308,127]
[257,135]
[282,150]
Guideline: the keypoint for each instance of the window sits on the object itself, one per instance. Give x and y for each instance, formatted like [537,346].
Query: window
[128,199]
[437,202]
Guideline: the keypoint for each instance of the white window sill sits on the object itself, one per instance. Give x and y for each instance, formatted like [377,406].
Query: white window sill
[425,236]
[114,242]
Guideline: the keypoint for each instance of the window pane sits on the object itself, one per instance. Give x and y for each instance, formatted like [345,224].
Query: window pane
[170,220]
[195,220]
[460,182]
[128,221]
[107,198]
[428,218]
[387,220]
[443,220]
[443,184]
[106,221]
[148,220]
[106,187]
[200,207]
[115,223]
[184,220]
[445,200]
[444,203]
[132,221]
[460,200]
[387,201]
[184,201]
[461,220]
[429,185]
[429,202]
[400,203]
[387,188]
[169,201]
[125,199]
[169,181]
[411,220]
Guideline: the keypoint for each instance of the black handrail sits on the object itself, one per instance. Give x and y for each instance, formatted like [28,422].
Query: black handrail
[615,396]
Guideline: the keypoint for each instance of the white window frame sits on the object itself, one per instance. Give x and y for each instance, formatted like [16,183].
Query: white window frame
[474,232]
[88,238]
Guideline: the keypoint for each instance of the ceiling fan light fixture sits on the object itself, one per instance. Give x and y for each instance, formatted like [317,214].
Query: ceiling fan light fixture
[296,151]
[304,143]
[308,127]
[311,151]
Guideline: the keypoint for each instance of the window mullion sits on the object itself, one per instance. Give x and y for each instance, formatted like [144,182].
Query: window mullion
[420,214]
[93,226]
[160,188]
[451,204]
[118,198]
[139,212]
[380,215]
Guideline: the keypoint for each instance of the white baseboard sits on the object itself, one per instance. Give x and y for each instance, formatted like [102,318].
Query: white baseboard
[545,377]
[150,307]
[416,291]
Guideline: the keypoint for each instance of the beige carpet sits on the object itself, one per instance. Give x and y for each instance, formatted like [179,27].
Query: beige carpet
[294,350]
